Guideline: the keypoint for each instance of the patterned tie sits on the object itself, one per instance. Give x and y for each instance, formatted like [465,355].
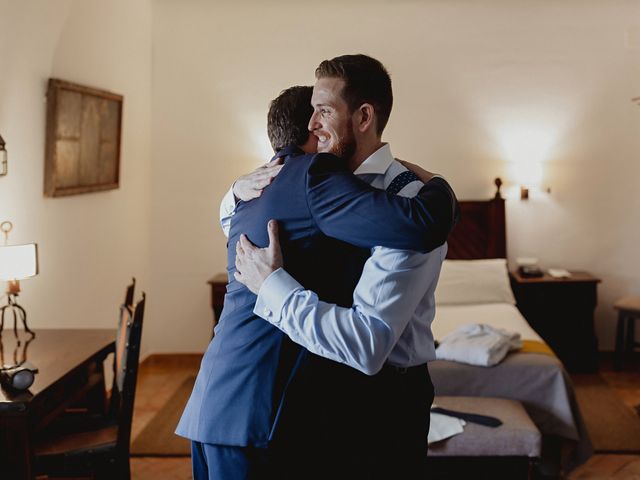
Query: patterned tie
[401,181]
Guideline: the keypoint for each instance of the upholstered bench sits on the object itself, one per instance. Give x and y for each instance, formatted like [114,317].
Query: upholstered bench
[508,451]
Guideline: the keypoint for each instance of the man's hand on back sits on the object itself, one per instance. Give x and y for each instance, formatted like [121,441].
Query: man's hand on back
[253,264]
[423,174]
[251,185]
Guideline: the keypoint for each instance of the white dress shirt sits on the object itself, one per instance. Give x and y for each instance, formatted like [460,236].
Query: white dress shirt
[393,303]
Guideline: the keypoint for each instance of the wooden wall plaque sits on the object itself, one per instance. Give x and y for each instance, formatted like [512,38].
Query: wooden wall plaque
[82,151]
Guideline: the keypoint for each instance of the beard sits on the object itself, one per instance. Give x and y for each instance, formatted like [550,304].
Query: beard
[346,146]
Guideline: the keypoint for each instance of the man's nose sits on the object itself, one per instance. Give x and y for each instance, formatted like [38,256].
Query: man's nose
[313,122]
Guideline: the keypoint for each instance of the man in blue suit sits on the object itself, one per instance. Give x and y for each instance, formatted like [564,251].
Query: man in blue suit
[236,401]
[372,424]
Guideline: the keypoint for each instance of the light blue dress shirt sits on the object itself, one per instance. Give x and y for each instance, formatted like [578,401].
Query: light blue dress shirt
[393,303]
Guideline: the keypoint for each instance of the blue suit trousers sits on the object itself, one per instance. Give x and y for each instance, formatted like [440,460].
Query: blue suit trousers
[221,462]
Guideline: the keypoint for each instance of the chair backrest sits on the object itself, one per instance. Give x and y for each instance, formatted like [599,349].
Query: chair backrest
[126,313]
[128,297]
[127,356]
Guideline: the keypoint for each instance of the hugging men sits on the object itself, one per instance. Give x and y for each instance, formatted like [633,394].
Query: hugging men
[263,406]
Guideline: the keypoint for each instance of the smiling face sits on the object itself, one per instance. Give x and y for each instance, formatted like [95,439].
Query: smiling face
[332,121]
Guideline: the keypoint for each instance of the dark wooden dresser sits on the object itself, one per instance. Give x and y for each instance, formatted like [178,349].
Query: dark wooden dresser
[561,311]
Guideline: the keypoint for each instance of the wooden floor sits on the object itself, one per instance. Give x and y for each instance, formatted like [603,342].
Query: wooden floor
[627,467]
[159,376]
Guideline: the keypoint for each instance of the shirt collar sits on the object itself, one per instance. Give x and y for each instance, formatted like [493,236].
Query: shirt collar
[286,151]
[378,162]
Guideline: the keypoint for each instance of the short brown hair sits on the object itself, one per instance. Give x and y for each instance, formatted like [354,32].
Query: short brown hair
[365,81]
[288,117]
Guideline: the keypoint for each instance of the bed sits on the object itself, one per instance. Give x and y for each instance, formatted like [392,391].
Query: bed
[474,288]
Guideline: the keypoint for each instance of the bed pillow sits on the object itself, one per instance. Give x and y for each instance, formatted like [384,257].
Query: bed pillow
[474,281]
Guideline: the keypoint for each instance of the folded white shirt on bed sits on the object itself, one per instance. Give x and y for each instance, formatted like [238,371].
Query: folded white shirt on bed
[478,344]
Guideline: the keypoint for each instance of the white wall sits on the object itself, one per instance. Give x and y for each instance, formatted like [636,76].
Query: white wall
[480,87]
[90,245]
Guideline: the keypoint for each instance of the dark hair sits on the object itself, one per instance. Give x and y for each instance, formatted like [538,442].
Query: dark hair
[288,118]
[365,81]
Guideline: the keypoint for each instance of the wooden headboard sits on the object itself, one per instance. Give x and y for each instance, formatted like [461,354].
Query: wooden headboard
[481,231]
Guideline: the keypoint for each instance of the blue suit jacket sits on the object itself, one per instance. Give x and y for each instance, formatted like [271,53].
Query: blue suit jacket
[328,220]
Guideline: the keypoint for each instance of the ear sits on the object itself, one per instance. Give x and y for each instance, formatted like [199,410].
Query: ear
[365,118]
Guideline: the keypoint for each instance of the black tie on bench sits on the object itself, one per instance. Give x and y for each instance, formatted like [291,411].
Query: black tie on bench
[469,417]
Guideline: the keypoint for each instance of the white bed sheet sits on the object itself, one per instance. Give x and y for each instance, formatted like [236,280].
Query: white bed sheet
[501,315]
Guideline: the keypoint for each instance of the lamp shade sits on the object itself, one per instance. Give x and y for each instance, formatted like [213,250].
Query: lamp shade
[18,261]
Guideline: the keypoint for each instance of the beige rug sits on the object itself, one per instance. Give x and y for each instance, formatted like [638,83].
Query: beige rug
[157,438]
[613,426]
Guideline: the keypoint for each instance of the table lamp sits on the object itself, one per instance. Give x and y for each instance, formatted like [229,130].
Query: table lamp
[17,262]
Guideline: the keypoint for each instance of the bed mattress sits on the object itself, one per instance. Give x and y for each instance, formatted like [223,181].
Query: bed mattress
[538,380]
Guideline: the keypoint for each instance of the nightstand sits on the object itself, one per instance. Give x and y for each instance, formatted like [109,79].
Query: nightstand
[218,284]
[561,311]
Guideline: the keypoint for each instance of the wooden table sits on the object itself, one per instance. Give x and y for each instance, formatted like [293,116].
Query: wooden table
[70,368]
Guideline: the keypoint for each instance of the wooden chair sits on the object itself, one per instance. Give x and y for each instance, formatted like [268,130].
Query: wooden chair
[128,296]
[95,400]
[98,445]
[628,312]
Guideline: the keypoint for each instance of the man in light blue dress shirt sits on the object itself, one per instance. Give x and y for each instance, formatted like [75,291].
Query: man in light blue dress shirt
[388,327]
[393,304]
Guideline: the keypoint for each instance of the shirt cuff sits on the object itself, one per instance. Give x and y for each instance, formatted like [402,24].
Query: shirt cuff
[228,205]
[274,292]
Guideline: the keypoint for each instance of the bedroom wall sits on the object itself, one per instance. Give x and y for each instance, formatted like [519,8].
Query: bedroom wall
[482,89]
[90,245]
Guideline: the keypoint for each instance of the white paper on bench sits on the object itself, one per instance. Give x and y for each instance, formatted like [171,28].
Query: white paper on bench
[444,426]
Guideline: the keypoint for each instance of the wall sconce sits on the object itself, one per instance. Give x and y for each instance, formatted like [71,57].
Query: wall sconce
[524,191]
[17,262]
[3,158]
[527,174]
